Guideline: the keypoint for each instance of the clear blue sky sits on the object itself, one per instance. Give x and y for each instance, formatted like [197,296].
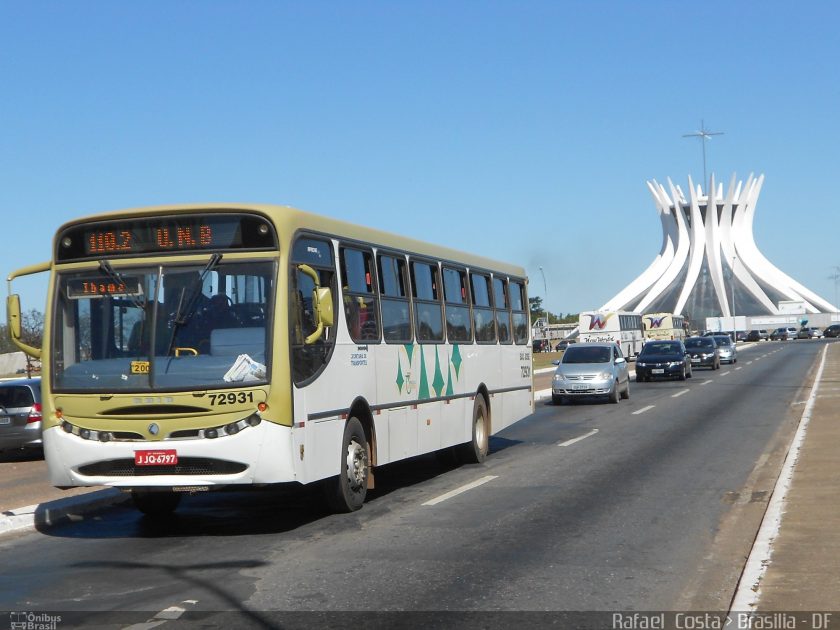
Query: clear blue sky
[520,130]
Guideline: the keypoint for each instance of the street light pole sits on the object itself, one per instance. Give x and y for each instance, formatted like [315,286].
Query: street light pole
[836,277]
[545,295]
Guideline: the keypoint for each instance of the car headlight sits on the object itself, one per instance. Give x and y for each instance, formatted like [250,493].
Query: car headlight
[674,363]
[707,355]
[641,364]
[558,376]
[605,374]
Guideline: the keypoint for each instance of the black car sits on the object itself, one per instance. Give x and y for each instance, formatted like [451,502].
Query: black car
[758,335]
[832,331]
[703,352]
[666,359]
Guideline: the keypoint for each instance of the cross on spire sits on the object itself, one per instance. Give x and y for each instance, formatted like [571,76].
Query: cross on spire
[704,134]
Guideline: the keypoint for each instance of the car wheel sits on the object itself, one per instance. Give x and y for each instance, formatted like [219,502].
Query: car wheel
[683,375]
[614,393]
[626,393]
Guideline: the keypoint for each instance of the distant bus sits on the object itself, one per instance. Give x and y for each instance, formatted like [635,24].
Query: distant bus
[623,327]
[189,348]
[663,326]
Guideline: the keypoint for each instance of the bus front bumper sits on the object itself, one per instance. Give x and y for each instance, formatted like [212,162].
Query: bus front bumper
[258,455]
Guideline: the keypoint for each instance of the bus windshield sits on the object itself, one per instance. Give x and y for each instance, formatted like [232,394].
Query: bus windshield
[163,328]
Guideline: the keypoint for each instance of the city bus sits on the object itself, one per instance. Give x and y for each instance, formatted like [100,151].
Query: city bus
[663,326]
[189,348]
[622,327]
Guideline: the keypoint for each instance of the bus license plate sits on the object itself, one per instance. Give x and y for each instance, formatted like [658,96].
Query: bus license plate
[165,457]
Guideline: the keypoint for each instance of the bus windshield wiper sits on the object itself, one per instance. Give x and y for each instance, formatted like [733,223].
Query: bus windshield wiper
[182,316]
[106,268]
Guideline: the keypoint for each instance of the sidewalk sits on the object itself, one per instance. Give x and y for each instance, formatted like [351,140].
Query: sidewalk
[802,572]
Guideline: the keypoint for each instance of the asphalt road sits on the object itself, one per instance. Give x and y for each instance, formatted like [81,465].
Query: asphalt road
[650,504]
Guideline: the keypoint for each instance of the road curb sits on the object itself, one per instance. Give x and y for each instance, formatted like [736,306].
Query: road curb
[51,513]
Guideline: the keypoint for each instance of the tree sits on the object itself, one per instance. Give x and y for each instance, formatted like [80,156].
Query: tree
[32,332]
[535,304]
[32,328]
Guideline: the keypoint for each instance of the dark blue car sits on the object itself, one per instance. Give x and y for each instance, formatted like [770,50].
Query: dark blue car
[663,359]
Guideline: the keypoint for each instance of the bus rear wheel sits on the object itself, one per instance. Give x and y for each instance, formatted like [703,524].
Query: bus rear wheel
[347,491]
[156,503]
[475,451]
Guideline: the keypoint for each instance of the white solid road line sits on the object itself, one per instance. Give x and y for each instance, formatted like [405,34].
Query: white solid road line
[578,439]
[457,491]
[643,409]
[680,393]
[725,373]
[707,382]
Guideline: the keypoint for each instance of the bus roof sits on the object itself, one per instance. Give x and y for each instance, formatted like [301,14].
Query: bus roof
[289,220]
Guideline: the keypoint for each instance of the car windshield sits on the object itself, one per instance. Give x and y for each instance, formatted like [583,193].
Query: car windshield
[723,341]
[152,328]
[587,354]
[702,342]
[660,348]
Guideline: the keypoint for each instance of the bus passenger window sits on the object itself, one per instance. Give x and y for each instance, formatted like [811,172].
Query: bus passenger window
[456,305]
[427,308]
[520,317]
[396,308]
[485,327]
[500,302]
[361,308]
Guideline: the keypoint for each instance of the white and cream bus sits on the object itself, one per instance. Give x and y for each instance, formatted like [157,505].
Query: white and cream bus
[663,326]
[622,327]
[194,347]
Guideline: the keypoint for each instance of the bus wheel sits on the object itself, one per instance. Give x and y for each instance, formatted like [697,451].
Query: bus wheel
[155,503]
[475,451]
[347,492]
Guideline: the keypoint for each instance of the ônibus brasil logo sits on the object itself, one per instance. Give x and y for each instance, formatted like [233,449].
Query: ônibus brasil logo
[598,321]
[655,322]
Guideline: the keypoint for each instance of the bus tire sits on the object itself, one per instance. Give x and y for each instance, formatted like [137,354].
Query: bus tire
[155,503]
[475,451]
[347,491]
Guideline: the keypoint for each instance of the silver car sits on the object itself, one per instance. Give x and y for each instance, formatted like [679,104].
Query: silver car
[728,351]
[591,369]
[20,413]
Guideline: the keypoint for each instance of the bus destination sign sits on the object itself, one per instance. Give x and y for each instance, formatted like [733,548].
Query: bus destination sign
[78,288]
[170,234]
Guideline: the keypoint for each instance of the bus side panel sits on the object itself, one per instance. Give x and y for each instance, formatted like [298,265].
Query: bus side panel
[510,406]
[350,374]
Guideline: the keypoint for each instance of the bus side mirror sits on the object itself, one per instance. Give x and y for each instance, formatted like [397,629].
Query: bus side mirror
[322,305]
[15,326]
